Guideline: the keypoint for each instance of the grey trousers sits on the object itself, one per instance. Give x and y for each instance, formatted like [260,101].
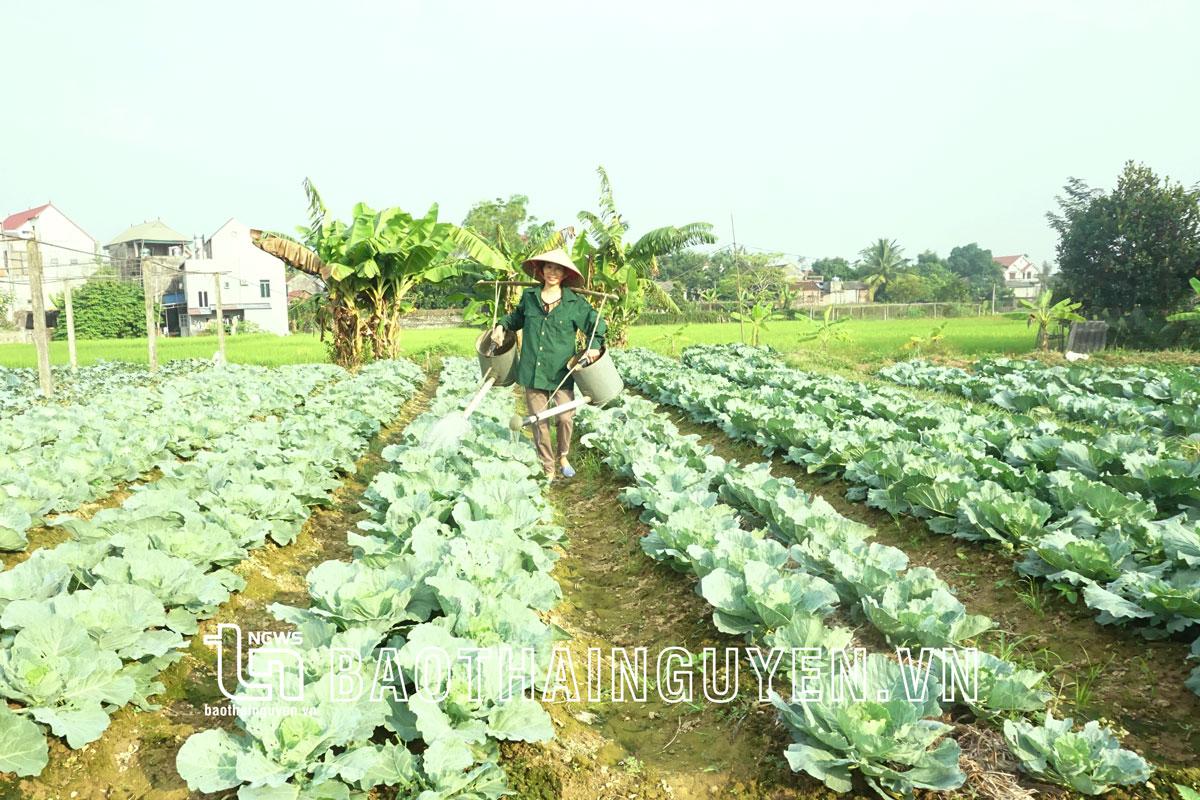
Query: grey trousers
[536,400]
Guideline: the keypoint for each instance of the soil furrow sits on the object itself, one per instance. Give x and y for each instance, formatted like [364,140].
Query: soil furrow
[614,596]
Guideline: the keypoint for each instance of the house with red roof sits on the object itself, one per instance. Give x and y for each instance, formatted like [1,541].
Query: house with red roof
[1021,276]
[68,252]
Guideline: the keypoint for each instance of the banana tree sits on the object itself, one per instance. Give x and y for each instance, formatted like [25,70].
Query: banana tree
[504,263]
[757,318]
[928,343]
[1190,316]
[317,247]
[370,266]
[786,296]
[829,329]
[624,269]
[1042,313]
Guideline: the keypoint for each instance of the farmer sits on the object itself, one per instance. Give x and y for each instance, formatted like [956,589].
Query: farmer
[549,316]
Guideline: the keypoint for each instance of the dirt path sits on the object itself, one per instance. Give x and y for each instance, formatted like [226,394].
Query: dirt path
[47,536]
[135,758]
[615,596]
[1098,672]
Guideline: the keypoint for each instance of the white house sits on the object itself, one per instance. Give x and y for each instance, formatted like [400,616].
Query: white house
[68,253]
[1021,276]
[1017,268]
[253,285]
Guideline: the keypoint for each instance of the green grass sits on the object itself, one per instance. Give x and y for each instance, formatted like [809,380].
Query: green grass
[262,349]
[870,341]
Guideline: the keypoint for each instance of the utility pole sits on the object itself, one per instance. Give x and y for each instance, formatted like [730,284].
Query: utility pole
[70,309]
[40,339]
[151,322]
[993,297]
[220,316]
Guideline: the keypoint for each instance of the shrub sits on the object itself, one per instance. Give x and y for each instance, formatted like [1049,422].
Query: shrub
[107,309]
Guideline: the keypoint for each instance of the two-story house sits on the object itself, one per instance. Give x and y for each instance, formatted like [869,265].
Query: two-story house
[67,251]
[154,238]
[253,285]
[1021,276]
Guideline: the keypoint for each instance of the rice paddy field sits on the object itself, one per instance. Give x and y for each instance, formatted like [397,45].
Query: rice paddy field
[225,580]
[868,339]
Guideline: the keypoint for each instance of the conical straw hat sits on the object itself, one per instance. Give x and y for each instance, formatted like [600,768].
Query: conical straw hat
[573,278]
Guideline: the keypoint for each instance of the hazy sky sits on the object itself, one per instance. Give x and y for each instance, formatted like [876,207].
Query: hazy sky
[819,126]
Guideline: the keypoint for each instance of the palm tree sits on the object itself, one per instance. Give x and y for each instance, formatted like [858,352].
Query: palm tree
[881,262]
[628,270]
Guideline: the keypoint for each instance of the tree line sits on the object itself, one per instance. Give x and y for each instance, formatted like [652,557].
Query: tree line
[967,274]
[1129,255]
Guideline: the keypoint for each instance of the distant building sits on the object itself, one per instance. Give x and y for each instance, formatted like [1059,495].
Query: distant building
[301,286]
[1017,268]
[797,270]
[154,238]
[808,292]
[67,251]
[836,292]
[253,285]
[1021,276]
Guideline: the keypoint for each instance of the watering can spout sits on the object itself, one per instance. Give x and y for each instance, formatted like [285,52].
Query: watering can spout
[517,422]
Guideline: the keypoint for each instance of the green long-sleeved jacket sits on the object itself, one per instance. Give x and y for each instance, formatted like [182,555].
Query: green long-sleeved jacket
[548,340]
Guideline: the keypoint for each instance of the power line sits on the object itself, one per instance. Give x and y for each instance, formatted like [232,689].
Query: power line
[744,246]
[123,264]
[93,254]
[15,238]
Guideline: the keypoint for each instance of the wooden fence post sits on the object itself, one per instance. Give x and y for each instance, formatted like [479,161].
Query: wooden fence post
[151,322]
[220,315]
[41,340]
[70,309]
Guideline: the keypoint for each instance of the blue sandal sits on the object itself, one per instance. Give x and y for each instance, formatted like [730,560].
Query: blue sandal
[568,471]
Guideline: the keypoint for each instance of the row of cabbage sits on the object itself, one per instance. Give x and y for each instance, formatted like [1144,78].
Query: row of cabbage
[56,458]
[19,389]
[86,627]
[1139,466]
[779,584]
[455,557]
[1157,402]
[976,477]
[1173,386]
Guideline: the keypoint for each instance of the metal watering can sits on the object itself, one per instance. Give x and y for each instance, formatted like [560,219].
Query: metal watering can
[500,361]
[497,364]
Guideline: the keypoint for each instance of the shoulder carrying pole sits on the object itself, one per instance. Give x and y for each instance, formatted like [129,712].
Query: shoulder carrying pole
[588,292]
